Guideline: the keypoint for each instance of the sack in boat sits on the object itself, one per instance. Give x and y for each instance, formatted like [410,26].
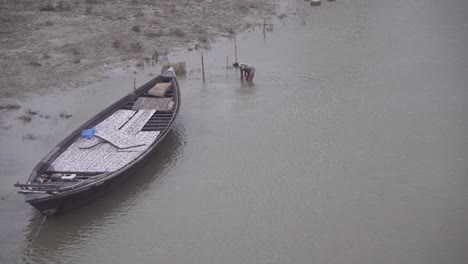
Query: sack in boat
[160,89]
[179,68]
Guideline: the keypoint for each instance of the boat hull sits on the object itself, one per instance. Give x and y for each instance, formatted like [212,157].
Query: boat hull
[62,201]
[55,204]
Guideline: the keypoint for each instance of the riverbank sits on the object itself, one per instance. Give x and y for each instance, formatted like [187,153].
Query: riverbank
[61,44]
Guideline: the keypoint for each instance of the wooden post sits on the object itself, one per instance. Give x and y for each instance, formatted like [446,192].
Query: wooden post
[134,84]
[264,25]
[203,67]
[235,47]
[227,62]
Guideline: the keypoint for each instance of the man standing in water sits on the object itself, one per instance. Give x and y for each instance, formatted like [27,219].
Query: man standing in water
[246,70]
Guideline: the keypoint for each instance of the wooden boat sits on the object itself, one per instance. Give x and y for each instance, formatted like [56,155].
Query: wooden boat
[80,169]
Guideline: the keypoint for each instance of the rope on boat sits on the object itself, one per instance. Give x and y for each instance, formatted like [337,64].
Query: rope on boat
[3,197]
[37,233]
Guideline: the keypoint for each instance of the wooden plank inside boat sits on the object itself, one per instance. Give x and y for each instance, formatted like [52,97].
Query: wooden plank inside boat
[160,104]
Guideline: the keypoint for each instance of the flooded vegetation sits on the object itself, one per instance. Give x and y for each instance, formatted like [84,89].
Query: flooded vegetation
[82,39]
[9,107]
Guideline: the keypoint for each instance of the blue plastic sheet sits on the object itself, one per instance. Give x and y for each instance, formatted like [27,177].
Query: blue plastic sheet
[88,133]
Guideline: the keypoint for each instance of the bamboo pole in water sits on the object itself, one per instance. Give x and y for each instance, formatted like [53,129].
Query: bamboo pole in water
[227,66]
[235,47]
[203,67]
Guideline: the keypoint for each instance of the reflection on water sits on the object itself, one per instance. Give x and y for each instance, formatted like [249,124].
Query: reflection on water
[247,85]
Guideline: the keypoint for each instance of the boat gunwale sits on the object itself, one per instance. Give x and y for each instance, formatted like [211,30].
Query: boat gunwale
[57,150]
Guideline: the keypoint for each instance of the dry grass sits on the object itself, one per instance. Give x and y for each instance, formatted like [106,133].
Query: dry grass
[202,34]
[47,8]
[116,44]
[179,33]
[75,51]
[155,56]
[199,30]
[34,63]
[152,35]
[230,30]
[136,28]
[282,16]
[62,5]
[140,65]
[136,47]
[203,38]
[88,9]
[244,6]
[139,14]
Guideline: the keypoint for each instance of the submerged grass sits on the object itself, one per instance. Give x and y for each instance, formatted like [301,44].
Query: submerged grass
[9,107]
[25,118]
[29,136]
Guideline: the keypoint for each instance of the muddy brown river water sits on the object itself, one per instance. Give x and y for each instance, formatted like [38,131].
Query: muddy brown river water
[350,146]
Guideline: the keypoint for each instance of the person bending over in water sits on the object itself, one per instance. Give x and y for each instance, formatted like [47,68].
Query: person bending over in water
[246,70]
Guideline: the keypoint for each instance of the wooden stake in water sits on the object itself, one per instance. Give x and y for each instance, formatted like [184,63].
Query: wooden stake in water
[203,67]
[264,25]
[134,84]
[227,66]
[235,47]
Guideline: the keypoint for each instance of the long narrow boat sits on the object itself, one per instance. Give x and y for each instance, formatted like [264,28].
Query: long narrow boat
[106,149]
